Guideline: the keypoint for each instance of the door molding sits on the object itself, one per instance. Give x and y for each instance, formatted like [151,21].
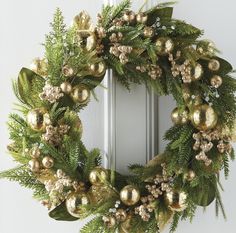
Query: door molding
[109,160]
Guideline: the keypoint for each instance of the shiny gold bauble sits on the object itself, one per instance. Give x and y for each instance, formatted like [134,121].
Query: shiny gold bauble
[98,69]
[214,65]
[121,215]
[203,117]
[109,221]
[189,175]
[34,165]
[80,94]
[176,200]
[141,17]
[197,72]
[148,32]
[68,71]
[75,202]
[39,66]
[164,45]
[66,87]
[130,195]
[216,81]
[48,162]
[87,40]
[129,16]
[38,119]
[98,176]
[179,117]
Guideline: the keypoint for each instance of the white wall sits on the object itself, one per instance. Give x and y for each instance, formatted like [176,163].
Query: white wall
[23,25]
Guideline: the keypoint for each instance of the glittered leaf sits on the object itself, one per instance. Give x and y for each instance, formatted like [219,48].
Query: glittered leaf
[30,85]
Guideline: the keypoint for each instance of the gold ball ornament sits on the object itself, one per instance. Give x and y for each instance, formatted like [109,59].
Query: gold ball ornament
[130,195]
[203,117]
[38,119]
[67,71]
[179,117]
[121,215]
[98,69]
[109,221]
[80,94]
[129,16]
[66,87]
[141,17]
[148,32]
[176,200]
[98,176]
[87,40]
[197,72]
[214,65]
[190,175]
[164,45]
[39,66]
[216,81]
[48,162]
[75,202]
[34,165]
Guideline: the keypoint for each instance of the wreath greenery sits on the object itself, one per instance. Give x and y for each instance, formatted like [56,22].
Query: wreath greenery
[148,47]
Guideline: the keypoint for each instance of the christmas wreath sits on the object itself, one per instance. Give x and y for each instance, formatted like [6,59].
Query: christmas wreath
[148,47]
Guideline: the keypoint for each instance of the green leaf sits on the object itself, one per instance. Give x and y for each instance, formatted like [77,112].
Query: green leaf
[30,85]
[225,67]
[204,194]
[60,213]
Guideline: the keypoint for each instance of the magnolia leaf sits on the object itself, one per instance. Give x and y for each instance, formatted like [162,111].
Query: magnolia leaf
[204,195]
[29,86]
[60,213]
[225,67]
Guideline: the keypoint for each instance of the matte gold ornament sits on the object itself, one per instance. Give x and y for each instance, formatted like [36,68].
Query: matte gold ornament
[214,65]
[129,16]
[216,81]
[34,165]
[190,175]
[197,72]
[68,71]
[98,176]
[179,117]
[121,215]
[148,32]
[75,202]
[164,45]
[66,87]
[141,17]
[98,69]
[38,119]
[176,200]
[109,221]
[87,40]
[48,162]
[80,94]
[39,66]
[203,117]
[130,195]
